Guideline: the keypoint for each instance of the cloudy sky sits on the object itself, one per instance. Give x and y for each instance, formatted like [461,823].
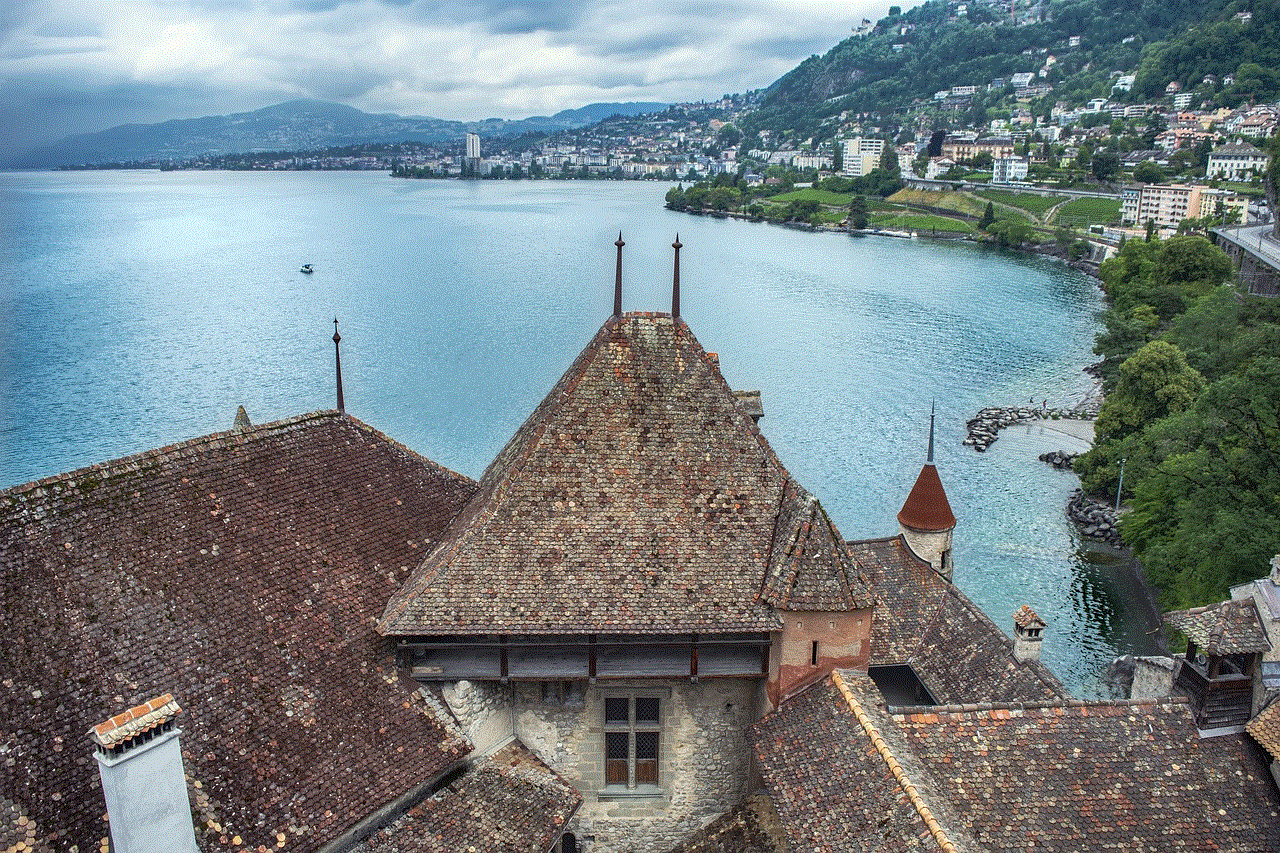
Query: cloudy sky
[70,66]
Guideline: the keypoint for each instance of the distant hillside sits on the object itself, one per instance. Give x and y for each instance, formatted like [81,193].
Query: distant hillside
[294,126]
[928,48]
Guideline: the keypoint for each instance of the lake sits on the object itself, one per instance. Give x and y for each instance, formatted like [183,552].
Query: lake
[141,308]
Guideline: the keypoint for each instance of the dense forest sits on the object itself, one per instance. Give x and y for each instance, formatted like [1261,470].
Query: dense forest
[1191,368]
[908,56]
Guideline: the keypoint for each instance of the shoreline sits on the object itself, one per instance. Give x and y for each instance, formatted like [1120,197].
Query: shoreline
[1047,250]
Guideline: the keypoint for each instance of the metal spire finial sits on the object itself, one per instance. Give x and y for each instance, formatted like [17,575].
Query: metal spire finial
[675,282]
[617,279]
[337,361]
[932,407]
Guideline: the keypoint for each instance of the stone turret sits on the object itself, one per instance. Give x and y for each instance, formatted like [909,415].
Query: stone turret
[926,520]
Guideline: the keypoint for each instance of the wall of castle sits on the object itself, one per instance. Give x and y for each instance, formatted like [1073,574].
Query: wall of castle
[703,759]
[812,643]
[483,709]
[932,546]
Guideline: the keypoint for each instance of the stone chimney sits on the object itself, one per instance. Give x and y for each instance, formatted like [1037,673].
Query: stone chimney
[1027,627]
[140,762]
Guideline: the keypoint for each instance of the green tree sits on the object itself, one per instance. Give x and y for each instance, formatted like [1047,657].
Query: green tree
[1124,333]
[1104,165]
[988,217]
[858,212]
[1209,517]
[728,136]
[1154,382]
[1148,172]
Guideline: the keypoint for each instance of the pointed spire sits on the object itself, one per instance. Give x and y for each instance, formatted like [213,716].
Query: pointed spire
[675,281]
[337,361]
[927,507]
[617,279]
[932,407]
[242,420]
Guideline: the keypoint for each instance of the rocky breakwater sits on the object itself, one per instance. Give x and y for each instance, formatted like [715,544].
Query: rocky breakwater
[984,427]
[1059,459]
[1096,520]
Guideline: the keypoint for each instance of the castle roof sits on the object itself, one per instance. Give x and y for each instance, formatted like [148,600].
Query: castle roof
[1228,627]
[638,497]
[243,572]
[925,622]
[810,568]
[846,773]
[926,507]
[507,801]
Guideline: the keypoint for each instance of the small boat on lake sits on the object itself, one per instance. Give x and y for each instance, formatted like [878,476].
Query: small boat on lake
[306,268]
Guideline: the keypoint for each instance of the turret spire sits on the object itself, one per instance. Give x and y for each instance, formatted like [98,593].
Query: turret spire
[617,279]
[675,282]
[337,361]
[932,407]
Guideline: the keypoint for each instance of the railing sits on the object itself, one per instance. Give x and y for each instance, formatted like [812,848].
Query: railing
[581,657]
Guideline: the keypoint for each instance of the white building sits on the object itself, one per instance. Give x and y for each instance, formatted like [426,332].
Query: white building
[473,146]
[861,155]
[1006,170]
[1236,161]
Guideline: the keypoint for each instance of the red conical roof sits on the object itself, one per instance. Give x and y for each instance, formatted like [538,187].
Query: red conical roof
[927,507]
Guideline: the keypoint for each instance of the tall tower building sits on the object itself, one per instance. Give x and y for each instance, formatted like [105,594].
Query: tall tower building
[473,146]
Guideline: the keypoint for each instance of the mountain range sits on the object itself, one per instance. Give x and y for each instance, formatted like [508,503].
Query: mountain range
[296,126]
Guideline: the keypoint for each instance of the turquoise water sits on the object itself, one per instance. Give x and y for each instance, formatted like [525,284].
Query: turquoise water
[141,308]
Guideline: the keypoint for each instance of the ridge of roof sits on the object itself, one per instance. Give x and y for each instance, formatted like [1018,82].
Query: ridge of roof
[1064,705]
[940,835]
[222,438]
[637,497]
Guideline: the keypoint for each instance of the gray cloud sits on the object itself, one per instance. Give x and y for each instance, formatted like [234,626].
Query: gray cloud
[69,66]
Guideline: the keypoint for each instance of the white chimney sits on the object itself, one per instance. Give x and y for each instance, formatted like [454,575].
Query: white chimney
[1027,627]
[140,763]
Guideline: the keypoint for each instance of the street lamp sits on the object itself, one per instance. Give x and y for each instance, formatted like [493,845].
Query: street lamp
[1120,484]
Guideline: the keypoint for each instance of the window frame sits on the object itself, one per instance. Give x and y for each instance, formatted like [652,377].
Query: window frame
[630,728]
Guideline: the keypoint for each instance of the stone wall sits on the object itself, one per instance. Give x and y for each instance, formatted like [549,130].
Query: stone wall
[704,762]
[483,710]
[843,641]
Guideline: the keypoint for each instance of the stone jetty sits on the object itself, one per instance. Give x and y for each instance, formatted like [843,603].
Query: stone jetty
[1096,520]
[1059,459]
[985,426]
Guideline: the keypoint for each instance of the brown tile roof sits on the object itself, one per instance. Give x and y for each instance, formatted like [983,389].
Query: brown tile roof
[243,571]
[1091,776]
[749,827]
[636,498]
[1027,618]
[810,566]
[927,623]
[927,507]
[831,786]
[507,802]
[1228,627]
[1265,728]
[1069,776]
